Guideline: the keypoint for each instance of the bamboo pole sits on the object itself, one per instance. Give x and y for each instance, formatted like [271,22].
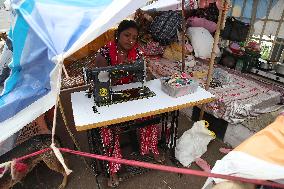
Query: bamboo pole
[183,35]
[220,24]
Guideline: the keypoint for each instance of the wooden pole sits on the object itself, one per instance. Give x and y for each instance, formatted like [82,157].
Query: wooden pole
[220,24]
[183,35]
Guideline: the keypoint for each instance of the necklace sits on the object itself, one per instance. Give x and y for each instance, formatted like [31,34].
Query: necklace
[121,52]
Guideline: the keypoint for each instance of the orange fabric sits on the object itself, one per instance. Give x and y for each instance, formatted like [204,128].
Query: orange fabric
[267,144]
[92,47]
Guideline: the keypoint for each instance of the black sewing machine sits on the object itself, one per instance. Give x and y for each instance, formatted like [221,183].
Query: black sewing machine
[102,79]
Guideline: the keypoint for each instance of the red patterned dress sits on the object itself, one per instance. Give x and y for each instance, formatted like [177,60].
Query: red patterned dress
[110,138]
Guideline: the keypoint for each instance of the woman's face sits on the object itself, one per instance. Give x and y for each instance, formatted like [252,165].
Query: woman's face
[128,38]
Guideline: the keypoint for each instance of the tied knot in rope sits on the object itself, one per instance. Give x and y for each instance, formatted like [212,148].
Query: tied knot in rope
[60,158]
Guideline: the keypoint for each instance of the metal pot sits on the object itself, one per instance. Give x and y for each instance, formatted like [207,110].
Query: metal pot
[279,68]
[263,64]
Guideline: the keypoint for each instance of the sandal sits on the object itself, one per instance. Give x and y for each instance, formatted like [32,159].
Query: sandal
[203,165]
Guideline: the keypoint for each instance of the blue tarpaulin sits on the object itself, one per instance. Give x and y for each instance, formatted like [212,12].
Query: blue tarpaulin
[45,32]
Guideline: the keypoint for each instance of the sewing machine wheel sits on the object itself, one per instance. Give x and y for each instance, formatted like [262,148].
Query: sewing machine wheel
[103,76]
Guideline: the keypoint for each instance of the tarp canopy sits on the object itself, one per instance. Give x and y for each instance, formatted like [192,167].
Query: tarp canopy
[44,33]
[164,5]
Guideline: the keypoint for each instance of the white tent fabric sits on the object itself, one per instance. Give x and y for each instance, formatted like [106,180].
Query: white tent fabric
[164,5]
[44,33]
[240,164]
[114,13]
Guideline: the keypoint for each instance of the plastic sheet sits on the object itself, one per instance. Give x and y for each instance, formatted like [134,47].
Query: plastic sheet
[193,143]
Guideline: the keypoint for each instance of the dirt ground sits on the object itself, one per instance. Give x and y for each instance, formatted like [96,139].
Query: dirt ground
[83,178]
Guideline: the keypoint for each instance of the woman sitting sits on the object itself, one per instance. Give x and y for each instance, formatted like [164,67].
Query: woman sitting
[124,50]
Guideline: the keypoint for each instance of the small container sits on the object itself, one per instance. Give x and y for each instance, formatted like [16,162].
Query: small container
[177,91]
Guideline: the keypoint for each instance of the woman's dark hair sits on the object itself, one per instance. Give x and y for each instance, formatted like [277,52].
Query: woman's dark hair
[124,25]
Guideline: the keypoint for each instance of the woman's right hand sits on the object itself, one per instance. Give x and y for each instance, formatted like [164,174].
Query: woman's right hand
[128,61]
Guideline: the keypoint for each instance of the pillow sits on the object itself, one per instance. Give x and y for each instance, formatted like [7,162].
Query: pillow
[202,22]
[202,42]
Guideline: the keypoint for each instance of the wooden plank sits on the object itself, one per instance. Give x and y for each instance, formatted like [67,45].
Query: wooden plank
[183,35]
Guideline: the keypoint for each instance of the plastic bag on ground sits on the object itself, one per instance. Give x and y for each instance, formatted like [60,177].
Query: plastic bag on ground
[193,143]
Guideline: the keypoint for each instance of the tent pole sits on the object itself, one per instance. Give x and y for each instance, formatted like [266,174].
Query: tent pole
[183,35]
[220,25]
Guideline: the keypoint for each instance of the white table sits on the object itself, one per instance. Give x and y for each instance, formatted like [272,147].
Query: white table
[86,119]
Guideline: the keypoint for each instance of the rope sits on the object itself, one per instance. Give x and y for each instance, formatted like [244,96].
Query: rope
[159,167]
[53,147]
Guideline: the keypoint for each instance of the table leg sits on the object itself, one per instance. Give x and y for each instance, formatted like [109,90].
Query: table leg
[164,141]
[176,128]
[134,141]
[94,163]
[91,140]
[99,148]
[173,136]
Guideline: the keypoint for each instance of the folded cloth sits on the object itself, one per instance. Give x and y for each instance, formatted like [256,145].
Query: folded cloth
[174,52]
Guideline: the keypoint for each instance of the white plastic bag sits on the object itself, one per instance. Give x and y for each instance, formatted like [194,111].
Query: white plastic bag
[193,143]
